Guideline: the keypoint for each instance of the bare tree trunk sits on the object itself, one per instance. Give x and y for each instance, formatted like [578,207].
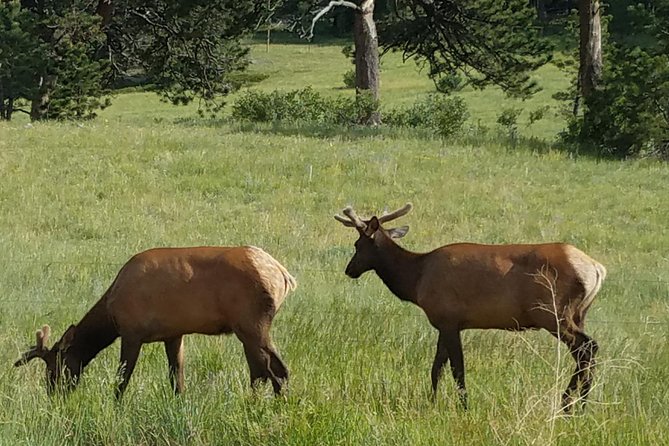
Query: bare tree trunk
[367,55]
[10,109]
[105,10]
[2,105]
[40,103]
[590,67]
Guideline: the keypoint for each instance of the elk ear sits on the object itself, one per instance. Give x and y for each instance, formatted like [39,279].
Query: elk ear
[372,226]
[398,232]
[66,341]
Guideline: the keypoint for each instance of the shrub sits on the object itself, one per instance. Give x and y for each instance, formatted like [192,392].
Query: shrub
[508,119]
[627,114]
[303,105]
[443,115]
[349,79]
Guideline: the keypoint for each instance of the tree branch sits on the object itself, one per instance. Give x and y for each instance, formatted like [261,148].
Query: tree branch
[327,9]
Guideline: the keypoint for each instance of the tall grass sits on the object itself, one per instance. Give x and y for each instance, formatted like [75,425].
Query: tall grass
[77,201]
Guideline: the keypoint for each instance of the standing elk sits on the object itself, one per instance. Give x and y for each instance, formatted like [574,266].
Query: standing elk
[164,293]
[467,285]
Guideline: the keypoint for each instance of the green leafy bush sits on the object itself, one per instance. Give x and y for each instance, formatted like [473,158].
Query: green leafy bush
[508,120]
[443,115]
[304,105]
[349,79]
[628,115]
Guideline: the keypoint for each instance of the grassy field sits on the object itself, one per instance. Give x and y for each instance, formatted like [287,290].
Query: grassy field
[78,199]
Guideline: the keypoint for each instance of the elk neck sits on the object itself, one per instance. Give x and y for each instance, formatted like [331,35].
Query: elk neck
[399,269]
[95,332]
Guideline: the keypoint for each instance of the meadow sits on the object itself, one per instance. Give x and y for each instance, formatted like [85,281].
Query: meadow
[78,199]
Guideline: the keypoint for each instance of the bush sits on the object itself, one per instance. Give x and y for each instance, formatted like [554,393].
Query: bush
[303,105]
[349,79]
[508,119]
[627,115]
[443,115]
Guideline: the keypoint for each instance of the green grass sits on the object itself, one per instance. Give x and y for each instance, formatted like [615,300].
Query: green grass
[78,200]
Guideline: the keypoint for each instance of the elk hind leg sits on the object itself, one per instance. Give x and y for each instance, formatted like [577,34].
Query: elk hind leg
[256,350]
[583,349]
[276,364]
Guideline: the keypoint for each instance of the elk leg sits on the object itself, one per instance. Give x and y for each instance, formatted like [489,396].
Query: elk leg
[583,350]
[440,358]
[175,359]
[259,361]
[453,345]
[276,364]
[129,353]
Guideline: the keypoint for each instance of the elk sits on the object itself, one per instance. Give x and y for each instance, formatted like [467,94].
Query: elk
[162,294]
[466,285]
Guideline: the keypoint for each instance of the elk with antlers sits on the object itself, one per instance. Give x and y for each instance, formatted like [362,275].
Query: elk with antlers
[162,294]
[466,285]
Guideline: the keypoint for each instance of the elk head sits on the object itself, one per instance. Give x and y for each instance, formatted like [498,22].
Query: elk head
[62,367]
[373,237]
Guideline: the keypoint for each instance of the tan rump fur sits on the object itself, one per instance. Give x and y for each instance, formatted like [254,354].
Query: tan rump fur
[277,285]
[591,274]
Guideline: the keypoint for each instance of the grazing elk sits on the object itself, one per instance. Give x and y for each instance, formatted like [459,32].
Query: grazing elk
[164,293]
[466,285]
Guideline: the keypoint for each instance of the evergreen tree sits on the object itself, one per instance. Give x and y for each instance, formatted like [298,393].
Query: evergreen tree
[187,49]
[21,55]
[488,41]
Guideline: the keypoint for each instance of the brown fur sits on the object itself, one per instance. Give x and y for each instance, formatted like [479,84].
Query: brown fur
[509,287]
[165,293]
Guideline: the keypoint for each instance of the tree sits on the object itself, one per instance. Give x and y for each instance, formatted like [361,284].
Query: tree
[366,49]
[21,54]
[590,46]
[47,59]
[487,41]
[187,49]
[61,56]
[627,114]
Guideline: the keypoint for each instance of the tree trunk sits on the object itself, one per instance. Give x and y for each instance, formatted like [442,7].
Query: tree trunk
[40,103]
[9,110]
[590,51]
[105,10]
[367,55]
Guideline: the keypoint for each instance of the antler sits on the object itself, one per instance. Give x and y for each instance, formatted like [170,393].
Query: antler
[41,338]
[353,221]
[396,214]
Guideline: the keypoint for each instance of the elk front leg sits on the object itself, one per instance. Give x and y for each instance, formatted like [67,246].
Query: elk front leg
[129,353]
[453,345]
[440,358]
[175,358]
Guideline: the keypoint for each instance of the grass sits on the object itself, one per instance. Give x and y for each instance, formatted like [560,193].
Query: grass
[78,200]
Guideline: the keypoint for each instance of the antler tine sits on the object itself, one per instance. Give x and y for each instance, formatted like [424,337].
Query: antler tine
[38,351]
[396,214]
[42,337]
[350,213]
[345,221]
